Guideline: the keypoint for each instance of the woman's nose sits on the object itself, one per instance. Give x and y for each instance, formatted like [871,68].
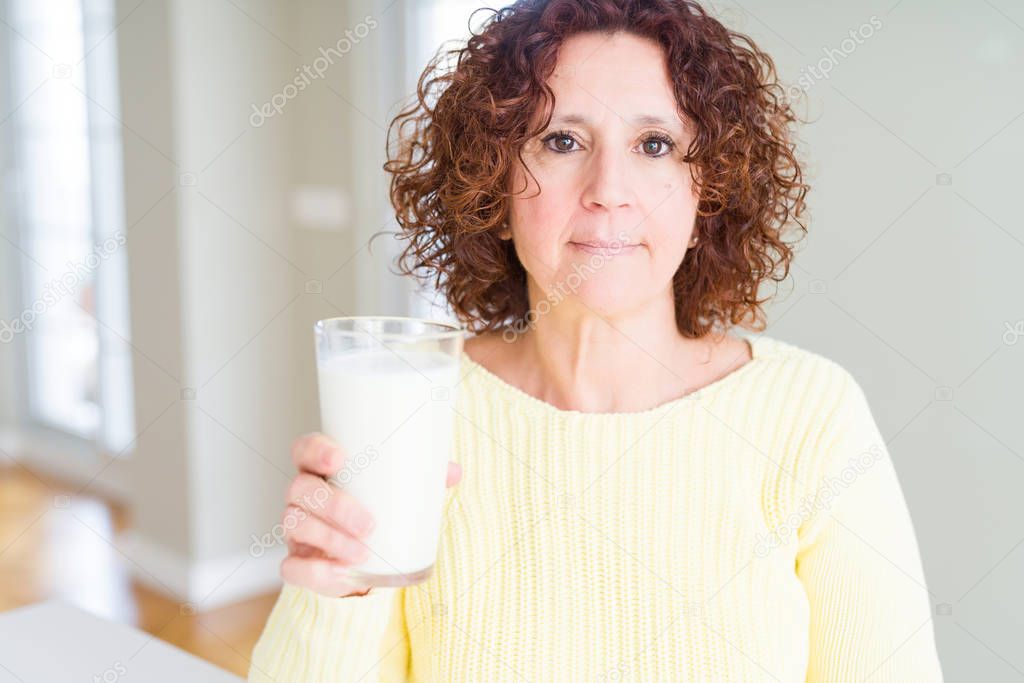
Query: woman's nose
[607,181]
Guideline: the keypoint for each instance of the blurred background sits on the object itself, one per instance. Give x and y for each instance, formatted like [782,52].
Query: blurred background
[189,184]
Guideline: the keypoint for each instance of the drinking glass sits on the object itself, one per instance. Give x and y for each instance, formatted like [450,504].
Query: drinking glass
[387,390]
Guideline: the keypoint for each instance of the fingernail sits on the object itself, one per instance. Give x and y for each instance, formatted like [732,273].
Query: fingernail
[326,456]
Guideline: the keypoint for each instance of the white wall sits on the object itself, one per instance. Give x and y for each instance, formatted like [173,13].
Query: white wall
[212,287]
[231,268]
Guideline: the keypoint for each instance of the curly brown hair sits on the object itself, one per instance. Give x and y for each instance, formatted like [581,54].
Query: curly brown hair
[457,144]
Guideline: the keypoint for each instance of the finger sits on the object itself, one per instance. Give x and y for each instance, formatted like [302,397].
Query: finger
[301,549]
[454,474]
[317,453]
[316,532]
[321,575]
[330,503]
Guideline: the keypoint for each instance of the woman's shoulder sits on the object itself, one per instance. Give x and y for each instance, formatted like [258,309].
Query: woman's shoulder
[797,366]
[818,408]
[804,391]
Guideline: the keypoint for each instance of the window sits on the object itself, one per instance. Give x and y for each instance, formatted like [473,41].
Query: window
[67,208]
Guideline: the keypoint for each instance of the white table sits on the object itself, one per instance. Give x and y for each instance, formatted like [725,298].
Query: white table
[53,641]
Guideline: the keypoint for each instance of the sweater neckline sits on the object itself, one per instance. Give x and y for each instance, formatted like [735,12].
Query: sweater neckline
[514,393]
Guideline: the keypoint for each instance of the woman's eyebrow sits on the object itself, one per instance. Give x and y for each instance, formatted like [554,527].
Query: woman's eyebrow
[639,120]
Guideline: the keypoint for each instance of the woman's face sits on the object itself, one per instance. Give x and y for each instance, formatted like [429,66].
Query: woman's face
[610,170]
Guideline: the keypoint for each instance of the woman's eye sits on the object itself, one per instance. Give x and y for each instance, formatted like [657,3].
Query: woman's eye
[562,142]
[654,146]
[657,146]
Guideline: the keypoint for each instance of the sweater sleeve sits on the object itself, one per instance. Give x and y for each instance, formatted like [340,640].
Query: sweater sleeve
[858,559]
[313,638]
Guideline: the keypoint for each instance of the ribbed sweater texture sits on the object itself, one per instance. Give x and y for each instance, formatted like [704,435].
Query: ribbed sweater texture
[751,530]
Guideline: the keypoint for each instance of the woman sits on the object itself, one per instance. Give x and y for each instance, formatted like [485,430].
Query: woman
[599,191]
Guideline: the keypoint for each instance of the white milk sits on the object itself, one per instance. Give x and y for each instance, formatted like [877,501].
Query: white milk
[393,417]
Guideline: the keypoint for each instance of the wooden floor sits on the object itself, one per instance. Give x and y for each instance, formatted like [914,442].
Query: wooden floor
[51,546]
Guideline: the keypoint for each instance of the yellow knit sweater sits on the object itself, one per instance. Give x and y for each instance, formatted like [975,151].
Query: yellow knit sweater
[754,530]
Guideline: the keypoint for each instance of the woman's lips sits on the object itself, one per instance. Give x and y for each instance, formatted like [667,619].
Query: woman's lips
[605,248]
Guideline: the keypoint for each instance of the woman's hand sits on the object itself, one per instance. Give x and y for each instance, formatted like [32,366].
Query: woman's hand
[324,526]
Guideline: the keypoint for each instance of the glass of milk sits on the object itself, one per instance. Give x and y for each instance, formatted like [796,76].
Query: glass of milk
[387,392]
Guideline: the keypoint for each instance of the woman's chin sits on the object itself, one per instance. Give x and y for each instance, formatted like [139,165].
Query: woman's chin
[604,302]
